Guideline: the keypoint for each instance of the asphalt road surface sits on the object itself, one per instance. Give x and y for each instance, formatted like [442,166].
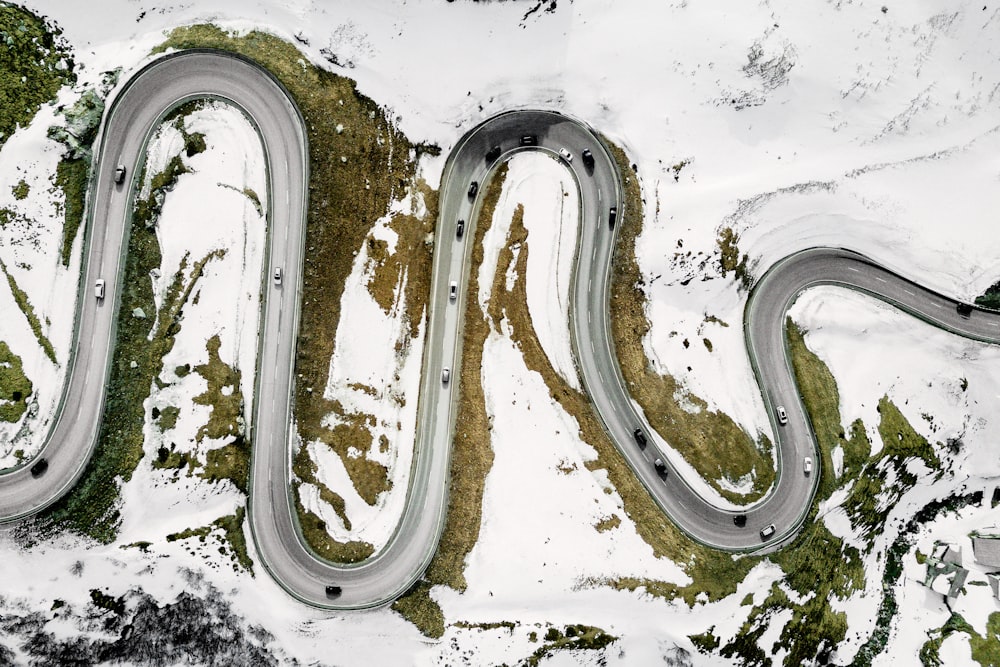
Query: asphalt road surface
[170,81]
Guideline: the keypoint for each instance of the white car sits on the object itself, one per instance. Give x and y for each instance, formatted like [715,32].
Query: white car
[277,276]
[807,465]
[99,289]
[782,415]
[566,155]
[453,290]
[446,375]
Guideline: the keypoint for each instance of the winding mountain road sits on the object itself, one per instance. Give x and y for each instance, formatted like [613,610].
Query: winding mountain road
[172,80]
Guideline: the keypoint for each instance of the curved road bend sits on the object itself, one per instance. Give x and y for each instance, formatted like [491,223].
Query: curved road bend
[169,81]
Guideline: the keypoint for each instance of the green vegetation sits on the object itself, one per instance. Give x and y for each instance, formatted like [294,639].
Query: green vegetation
[231,539]
[29,313]
[706,642]
[709,440]
[571,638]
[71,178]
[871,495]
[990,298]
[34,63]
[21,190]
[419,608]
[730,260]
[102,600]
[374,166]
[15,387]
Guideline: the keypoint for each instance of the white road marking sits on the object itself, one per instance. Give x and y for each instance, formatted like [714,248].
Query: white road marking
[908,292]
[853,269]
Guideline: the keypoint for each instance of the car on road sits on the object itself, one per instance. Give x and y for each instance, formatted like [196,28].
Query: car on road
[807,465]
[660,466]
[782,415]
[529,140]
[740,520]
[566,155]
[99,288]
[460,229]
[767,532]
[493,154]
[964,309]
[588,158]
[333,591]
[445,375]
[612,216]
[453,290]
[119,173]
[277,276]
[473,189]
[39,468]
[639,436]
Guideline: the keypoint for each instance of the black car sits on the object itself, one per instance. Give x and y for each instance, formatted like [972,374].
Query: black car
[39,468]
[493,154]
[639,436]
[660,466]
[588,158]
[473,189]
[333,591]
[740,520]
[529,140]
[964,309]
[460,229]
[612,216]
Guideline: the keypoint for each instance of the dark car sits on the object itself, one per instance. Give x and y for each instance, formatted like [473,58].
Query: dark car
[740,520]
[529,140]
[612,216]
[660,466]
[473,189]
[119,173]
[39,468]
[460,229]
[588,158]
[964,309]
[639,436]
[333,591]
[493,154]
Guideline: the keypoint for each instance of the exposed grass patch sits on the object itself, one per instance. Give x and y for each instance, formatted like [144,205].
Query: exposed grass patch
[228,532]
[24,304]
[35,62]
[319,540]
[730,260]
[571,638]
[410,264]
[419,608]
[607,524]
[709,440]
[990,298]
[15,387]
[71,177]
[355,175]
[874,493]
[21,190]
[222,395]
[168,417]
